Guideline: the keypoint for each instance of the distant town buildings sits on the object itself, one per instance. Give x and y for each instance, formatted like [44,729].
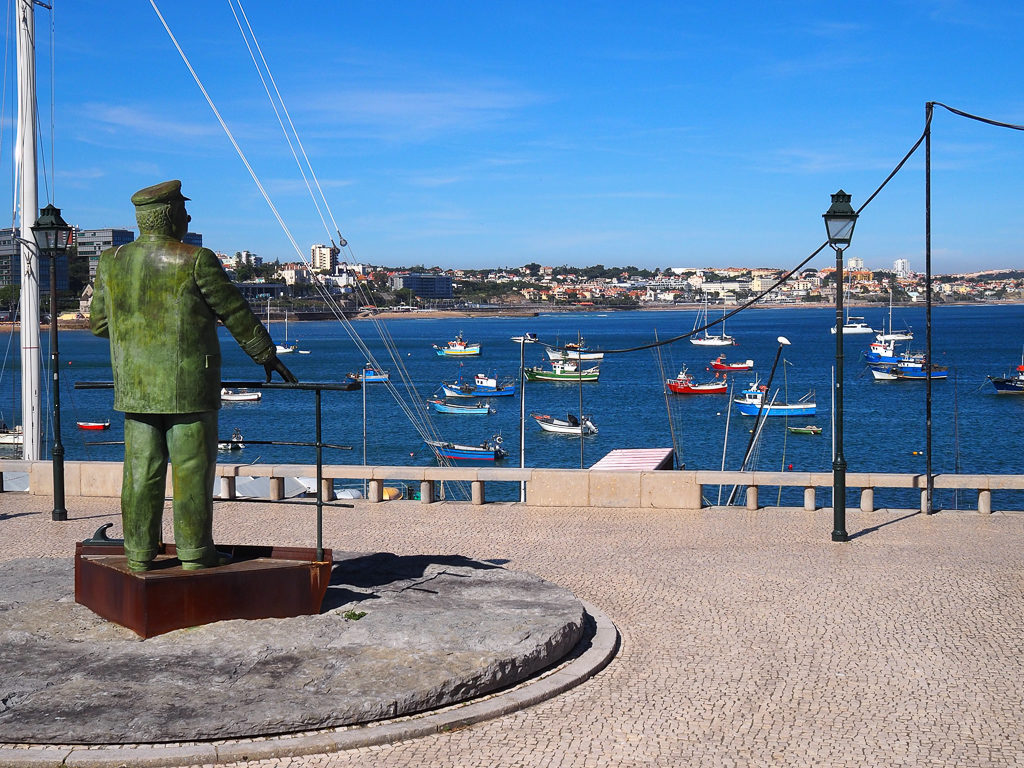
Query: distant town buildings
[425,285]
[92,242]
[323,258]
[854,263]
[10,263]
[902,268]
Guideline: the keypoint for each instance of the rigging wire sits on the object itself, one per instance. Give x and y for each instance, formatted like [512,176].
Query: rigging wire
[416,413]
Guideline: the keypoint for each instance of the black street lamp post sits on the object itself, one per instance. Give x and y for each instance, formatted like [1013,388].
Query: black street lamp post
[51,234]
[839,222]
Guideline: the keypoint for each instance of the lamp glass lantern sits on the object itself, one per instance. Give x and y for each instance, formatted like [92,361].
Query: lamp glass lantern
[840,219]
[51,233]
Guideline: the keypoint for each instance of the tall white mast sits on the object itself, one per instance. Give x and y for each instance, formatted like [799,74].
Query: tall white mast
[31,411]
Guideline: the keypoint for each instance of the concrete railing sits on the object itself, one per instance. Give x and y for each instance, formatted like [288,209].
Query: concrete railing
[656,489]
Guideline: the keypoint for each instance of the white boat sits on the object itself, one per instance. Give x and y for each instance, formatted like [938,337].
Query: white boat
[853,326]
[573,351]
[891,335]
[239,395]
[12,436]
[570,425]
[526,338]
[234,444]
[707,340]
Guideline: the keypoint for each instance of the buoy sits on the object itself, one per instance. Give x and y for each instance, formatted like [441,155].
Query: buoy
[790,466]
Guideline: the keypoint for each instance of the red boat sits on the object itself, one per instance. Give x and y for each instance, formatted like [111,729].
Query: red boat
[719,364]
[94,424]
[683,384]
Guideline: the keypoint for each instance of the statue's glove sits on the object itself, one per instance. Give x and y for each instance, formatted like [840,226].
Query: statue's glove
[275,364]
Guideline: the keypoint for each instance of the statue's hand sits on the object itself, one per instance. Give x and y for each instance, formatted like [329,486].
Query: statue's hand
[275,364]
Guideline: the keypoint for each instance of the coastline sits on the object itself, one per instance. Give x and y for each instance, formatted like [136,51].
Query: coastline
[83,324]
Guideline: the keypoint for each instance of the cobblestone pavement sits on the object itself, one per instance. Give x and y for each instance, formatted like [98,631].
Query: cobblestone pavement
[748,638]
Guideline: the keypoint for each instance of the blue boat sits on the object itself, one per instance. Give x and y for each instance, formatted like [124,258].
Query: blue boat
[481,386]
[441,406]
[1009,385]
[488,450]
[369,374]
[884,353]
[750,400]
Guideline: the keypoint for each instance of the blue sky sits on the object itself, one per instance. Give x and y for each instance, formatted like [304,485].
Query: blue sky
[469,134]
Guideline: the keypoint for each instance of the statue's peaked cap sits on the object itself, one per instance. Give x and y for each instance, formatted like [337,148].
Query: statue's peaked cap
[164,192]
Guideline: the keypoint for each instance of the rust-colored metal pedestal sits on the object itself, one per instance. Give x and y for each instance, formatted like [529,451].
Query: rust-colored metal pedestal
[258,583]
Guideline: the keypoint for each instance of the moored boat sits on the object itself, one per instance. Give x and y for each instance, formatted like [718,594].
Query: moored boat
[707,340]
[483,385]
[234,444]
[719,364]
[1009,385]
[908,372]
[526,338]
[12,436]
[810,429]
[574,351]
[369,374]
[239,395]
[683,384]
[562,370]
[488,450]
[93,424]
[441,406]
[750,401]
[854,326]
[570,425]
[458,347]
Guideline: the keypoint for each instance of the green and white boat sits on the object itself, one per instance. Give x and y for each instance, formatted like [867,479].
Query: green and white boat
[562,370]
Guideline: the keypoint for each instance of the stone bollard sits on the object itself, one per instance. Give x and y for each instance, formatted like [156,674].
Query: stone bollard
[867,500]
[426,491]
[276,488]
[327,489]
[752,497]
[984,502]
[227,488]
[809,505]
[477,487]
[375,491]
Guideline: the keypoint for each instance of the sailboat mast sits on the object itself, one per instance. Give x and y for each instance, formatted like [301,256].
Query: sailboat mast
[31,411]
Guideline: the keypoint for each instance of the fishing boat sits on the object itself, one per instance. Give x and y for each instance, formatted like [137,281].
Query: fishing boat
[369,374]
[854,326]
[441,406]
[239,395]
[483,385]
[719,364]
[93,424]
[234,444]
[488,450]
[562,370]
[1009,385]
[570,425]
[708,340]
[574,351]
[683,384]
[907,372]
[750,401]
[810,429]
[526,338]
[458,347]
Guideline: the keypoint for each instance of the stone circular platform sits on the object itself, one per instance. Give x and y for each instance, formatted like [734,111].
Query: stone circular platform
[437,630]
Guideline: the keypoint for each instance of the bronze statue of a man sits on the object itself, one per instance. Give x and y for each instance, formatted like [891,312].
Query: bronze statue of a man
[158,301]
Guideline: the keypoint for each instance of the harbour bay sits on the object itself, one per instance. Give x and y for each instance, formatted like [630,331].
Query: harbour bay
[974,430]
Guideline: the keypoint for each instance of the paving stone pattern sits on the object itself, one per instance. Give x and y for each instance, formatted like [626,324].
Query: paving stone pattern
[748,638]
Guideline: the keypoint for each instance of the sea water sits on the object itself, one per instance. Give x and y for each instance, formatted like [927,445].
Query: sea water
[973,429]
